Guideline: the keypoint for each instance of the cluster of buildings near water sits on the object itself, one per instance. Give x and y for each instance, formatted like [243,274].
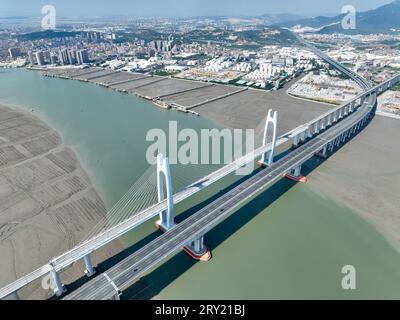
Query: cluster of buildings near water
[325,88]
[150,58]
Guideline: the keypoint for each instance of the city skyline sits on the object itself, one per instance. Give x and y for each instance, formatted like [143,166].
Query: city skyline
[178,8]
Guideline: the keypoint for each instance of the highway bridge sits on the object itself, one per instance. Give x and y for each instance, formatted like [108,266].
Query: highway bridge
[319,136]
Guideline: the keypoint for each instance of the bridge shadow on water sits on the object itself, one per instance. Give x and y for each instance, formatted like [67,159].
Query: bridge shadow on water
[163,275]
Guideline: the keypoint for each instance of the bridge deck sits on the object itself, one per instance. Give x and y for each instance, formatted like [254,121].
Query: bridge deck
[131,269]
[80,251]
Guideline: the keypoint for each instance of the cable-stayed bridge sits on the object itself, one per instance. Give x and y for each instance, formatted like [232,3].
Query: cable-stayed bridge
[319,136]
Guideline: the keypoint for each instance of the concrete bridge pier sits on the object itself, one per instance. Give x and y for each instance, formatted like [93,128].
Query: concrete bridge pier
[90,270]
[346,110]
[303,136]
[323,124]
[323,153]
[198,250]
[341,113]
[337,142]
[352,106]
[316,127]
[300,138]
[309,132]
[296,141]
[295,174]
[335,116]
[59,288]
[331,146]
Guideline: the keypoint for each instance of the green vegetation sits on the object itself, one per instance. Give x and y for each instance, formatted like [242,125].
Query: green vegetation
[47,34]
[247,39]
[142,34]
[164,73]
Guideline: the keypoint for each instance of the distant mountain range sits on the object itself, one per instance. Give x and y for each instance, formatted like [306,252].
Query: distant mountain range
[385,19]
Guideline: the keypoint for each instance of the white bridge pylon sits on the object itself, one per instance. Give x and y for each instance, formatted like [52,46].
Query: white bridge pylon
[273,119]
[166,221]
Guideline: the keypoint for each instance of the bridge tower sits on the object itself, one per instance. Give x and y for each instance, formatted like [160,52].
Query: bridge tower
[196,248]
[166,221]
[273,119]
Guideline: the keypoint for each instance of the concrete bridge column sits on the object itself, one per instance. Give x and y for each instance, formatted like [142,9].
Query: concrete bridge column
[295,174]
[90,271]
[316,127]
[310,131]
[198,250]
[14,296]
[341,113]
[199,245]
[323,123]
[329,119]
[303,136]
[331,146]
[295,141]
[59,288]
[352,106]
[337,141]
[166,221]
[335,116]
[323,153]
[271,118]
[346,110]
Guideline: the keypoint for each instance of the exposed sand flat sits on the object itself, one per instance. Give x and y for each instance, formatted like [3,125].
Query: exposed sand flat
[129,86]
[365,176]
[81,72]
[92,75]
[96,77]
[169,86]
[116,77]
[187,99]
[247,109]
[47,203]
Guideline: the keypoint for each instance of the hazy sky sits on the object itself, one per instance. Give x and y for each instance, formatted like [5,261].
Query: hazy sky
[81,8]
